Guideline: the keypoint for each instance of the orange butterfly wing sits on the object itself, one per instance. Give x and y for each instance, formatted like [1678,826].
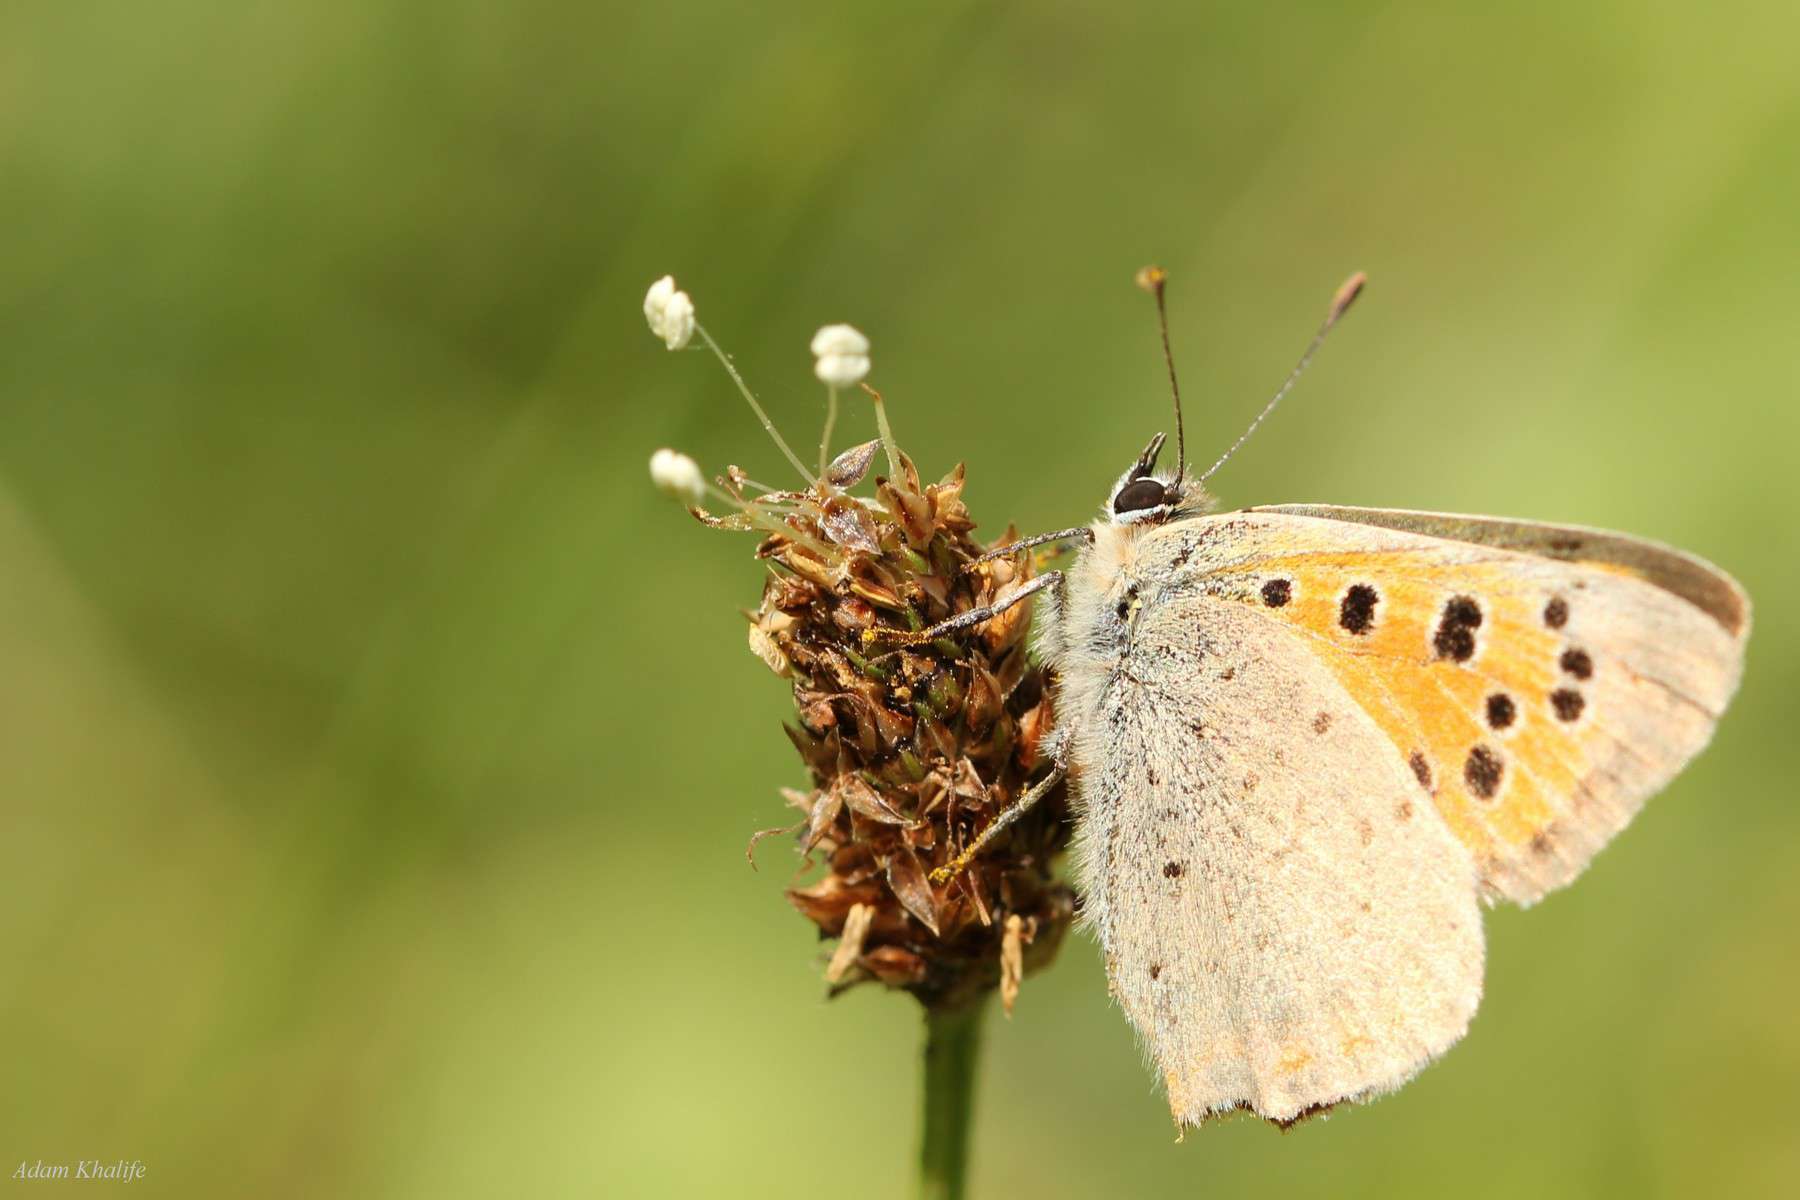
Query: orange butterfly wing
[1541,681]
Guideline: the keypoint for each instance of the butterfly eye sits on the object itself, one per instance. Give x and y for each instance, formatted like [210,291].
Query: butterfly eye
[1140,494]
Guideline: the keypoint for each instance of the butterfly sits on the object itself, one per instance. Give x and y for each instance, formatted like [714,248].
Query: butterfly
[1307,744]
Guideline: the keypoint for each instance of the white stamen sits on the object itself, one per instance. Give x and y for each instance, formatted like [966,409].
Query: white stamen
[843,355]
[677,475]
[670,313]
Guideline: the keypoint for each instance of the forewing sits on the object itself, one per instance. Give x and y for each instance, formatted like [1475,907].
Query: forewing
[1542,681]
[1285,919]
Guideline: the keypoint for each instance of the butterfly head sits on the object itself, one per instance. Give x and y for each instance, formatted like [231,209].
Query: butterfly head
[1142,496]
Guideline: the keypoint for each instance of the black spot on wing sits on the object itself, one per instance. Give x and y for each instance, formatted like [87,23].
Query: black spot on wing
[1482,772]
[1556,613]
[1356,612]
[1277,592]
[1568,703]
[1126,603]
[1501,711]
[1577,663]
[1455,636]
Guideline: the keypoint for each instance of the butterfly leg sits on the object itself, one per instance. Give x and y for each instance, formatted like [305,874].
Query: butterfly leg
[1084,532]
[963,620]
[1057,746]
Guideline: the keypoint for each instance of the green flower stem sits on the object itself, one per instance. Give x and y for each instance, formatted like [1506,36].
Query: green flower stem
[830,421]
[952,1048]
[887,435]
[744,388]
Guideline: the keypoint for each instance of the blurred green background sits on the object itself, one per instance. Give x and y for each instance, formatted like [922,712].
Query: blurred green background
[380,749]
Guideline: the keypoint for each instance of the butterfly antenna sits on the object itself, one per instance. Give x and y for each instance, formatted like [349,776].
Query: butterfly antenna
[1152,279]
[1340,304]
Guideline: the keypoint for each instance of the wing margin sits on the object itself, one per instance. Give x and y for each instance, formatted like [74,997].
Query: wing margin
[1677,572]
